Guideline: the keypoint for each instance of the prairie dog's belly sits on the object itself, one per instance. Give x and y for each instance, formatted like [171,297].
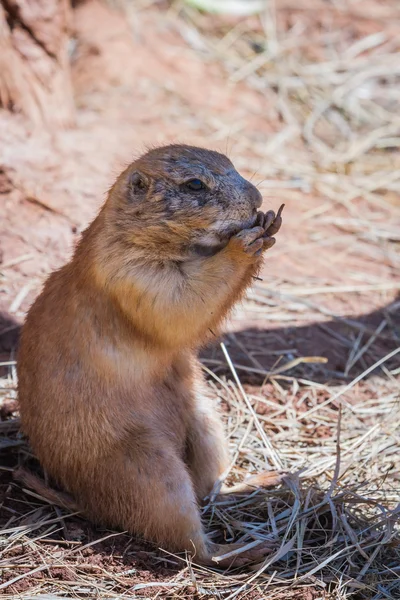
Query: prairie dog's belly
[91,407]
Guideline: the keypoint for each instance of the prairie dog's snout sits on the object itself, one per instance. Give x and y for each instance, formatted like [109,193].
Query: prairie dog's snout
[252,193]
[242,196]
[237,205]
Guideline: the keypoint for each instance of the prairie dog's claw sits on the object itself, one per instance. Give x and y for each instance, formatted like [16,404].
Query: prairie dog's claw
[260,220]
[269,218]
[273,226]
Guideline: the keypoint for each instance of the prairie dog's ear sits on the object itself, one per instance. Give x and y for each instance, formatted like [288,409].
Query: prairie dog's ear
[138,184]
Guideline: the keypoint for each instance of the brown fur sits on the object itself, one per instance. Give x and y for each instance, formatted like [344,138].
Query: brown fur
[109,382]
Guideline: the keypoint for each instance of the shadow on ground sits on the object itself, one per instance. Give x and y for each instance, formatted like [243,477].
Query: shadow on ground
[350,345]
[9,335]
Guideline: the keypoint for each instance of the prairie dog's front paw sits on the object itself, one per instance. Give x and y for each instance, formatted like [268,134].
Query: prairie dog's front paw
[271,223]
[249,240]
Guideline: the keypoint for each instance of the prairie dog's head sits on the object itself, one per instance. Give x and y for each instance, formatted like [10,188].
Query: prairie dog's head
[178,197]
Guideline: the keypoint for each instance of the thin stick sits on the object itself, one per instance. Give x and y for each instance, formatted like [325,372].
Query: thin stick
[352,383]
[274,456]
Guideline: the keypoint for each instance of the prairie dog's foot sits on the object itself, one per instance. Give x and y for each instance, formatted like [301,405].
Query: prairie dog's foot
[239,559]
[265,479]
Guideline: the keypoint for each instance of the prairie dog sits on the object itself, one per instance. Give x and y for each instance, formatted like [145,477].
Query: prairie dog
[109,381]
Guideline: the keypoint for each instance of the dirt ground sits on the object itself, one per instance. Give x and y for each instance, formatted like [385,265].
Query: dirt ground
[155,75]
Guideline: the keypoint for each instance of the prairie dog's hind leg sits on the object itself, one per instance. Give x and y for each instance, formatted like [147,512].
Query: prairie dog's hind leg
[263,480]
[207,450]
[149,493]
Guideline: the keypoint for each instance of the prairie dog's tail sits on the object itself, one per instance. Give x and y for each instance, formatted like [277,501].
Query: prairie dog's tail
[40,487]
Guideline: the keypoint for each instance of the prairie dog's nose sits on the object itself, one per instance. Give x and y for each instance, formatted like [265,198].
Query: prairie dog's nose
[254,195]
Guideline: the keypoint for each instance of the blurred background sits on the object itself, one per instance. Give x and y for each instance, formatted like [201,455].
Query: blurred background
[304,97]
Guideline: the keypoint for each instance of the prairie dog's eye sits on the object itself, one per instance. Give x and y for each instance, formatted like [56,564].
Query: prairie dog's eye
[195,185]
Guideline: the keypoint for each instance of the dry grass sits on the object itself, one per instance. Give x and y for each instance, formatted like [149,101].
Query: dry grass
[334,523]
